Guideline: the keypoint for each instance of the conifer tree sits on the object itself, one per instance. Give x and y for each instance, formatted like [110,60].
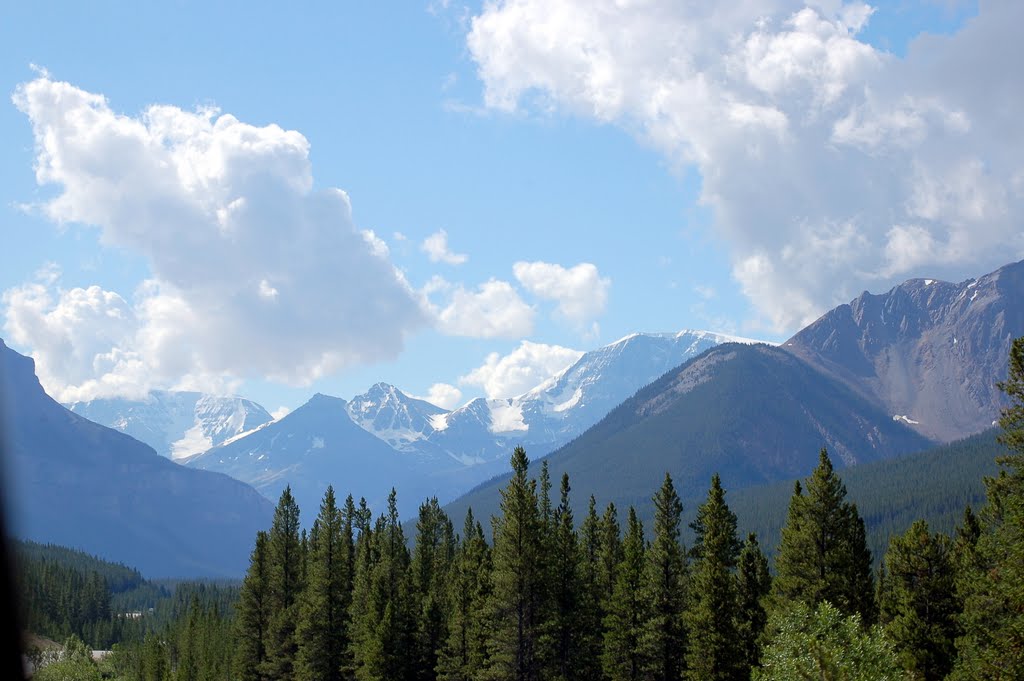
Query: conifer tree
[753,584]
[823,555]
[991,582]
[625,624]
[664,589]
[715,650]
[383,625]
[323,615]
[284,552]
[464,656]
[433,554]
[610,558]
[518,579]
[564,627]
[588,609]
[918,601]
[252,619]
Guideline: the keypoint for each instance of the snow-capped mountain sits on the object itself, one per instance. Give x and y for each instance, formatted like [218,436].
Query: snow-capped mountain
[177,424]
[320,444]
[386,437]
[397,418]
[568,403]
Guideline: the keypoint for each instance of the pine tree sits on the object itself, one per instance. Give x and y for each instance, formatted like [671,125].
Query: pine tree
[918,601]
[610,558]
[464,656]
[383,621]
[518,579]
[753,584]
[284,551]
[252,620]
[323,617]
[823,555]
[432,559]
[588,610]
[715,649]
[664,590]
[991,581]
[625,624]
[564,626]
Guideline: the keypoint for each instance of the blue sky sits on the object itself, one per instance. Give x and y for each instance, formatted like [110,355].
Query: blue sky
[468,119]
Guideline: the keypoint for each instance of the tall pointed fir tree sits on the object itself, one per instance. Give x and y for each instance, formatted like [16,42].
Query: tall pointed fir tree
[383,626]
[564,628]
[464,656]
[753,584]
[715,651]
[284,549]
[252,616]
[518,579]
[610,558]
[626,622]
[433,554]
[991,582]
[664,589]
[823,555]
[918,604]
[323,608]
[588,609]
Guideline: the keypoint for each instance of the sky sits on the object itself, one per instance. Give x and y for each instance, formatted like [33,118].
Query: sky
[459,199]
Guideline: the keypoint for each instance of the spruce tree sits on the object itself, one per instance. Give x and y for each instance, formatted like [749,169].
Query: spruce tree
[564,625]
[588,610]
[433,554]
[626,622]
[664,589]
[753,584]
[991,582]
[384,623]
[918,602]
[284,550]
[823,555]
[715,650]
[252,618]
[323,611]
[518,597]
[464,655]
[610,557]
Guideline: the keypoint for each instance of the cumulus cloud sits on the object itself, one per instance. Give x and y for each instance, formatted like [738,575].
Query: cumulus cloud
[436,248]
[580,291]
[280,413]
[254,272]
[444,395]
[493,310]
[830,166]
[522,369]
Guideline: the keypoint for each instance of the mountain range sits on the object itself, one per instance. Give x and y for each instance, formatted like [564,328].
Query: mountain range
[74,482]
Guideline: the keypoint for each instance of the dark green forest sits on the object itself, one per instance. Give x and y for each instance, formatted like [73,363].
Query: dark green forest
[537,593]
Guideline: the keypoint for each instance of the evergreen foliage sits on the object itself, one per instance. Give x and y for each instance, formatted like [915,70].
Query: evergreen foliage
[753,584]
[664,590]
[625,623]
[465,654]
[253,618]
[823,555]
[715,650]
[917,601]
[432,560]
[284,584]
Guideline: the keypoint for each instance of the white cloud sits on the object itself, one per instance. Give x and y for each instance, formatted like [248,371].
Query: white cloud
[436,248]
[444,395]
[280,413]
[830,166]
[580,291]
[522,369]
[493,310]
[255,273]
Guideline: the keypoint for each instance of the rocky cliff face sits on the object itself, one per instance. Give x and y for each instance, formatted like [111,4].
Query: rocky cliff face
[930,351]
